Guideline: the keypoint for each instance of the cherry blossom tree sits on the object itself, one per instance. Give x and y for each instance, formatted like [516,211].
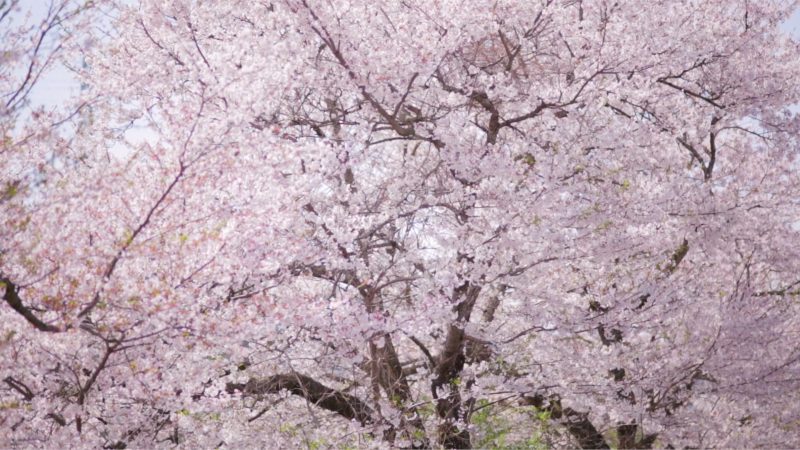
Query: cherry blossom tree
[551,223]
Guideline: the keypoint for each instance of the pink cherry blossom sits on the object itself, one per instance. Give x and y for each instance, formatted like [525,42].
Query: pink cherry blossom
[352,224]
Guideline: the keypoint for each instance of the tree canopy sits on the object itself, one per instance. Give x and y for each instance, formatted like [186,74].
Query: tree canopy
[416,224]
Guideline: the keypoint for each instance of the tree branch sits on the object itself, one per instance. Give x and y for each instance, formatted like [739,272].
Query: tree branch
[450,364]
[578,424]
[346,405]
[690,93]
[20,387]
[11,297]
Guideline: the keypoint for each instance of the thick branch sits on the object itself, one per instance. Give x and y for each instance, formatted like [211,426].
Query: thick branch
[712,157]
[347,406]
[20,387]
[494,125]
[450,363]
[424,350]
[706,168]
[578,424]
[11,297]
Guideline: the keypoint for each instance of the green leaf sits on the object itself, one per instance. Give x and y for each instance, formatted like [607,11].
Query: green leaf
[526,158]
[11,190]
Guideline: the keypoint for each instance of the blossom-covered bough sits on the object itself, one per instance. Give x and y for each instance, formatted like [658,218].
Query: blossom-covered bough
[338,224]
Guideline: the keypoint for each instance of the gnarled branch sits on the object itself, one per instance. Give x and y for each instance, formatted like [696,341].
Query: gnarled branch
[346,405]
